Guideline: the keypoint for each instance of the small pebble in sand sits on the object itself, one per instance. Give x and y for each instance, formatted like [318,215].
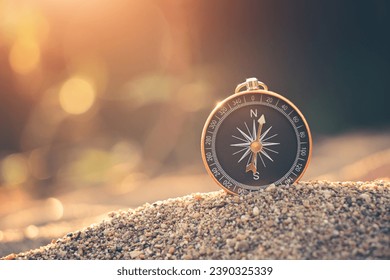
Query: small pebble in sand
[256,211]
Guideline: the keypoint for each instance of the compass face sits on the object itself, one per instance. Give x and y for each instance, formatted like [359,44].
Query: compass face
[253,139]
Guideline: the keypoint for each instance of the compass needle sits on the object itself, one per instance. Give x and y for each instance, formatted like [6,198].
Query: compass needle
[251,166]
[262,120]
[261,123]
[255,146]
[255,138]
[249,159]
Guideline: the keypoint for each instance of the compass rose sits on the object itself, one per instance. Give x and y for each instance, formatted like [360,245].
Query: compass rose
[254,143]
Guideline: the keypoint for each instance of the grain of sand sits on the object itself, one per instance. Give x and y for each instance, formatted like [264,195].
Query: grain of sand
[308,220]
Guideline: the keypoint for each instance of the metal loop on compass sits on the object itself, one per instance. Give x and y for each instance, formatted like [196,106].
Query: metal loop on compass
[251,84]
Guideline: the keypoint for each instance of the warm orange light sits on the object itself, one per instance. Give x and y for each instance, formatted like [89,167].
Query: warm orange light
[77,95]
[31,231]
[14,169]
[90,65]
[54,208]
[22,21]
[192,97]
[24,56]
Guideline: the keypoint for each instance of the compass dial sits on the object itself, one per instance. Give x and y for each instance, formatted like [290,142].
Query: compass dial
[253,139]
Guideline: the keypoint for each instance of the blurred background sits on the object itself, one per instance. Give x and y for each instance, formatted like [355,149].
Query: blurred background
[102,103]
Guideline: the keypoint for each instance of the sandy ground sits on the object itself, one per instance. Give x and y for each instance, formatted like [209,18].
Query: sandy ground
[309,220]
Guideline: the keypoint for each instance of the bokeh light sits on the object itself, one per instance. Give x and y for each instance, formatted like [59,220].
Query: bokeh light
[31,231]
[24,29]
[54,208]
[24,56]
[14,170]
[77,95]
[20,19]
[92,66]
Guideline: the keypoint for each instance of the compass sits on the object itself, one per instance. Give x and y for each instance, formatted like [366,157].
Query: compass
[255,138]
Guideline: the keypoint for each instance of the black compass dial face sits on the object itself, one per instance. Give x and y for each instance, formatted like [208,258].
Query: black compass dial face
[254,139]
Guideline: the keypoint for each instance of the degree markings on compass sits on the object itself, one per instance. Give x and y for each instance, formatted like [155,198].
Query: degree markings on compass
[301,159]
[208,148]
[208,131]
[244,99]
[221,178]
[229,106]
[277,103]
[293,173]
[261,98]
[299,126]
[212,164]
[218,117]
[303,143]
[290,112]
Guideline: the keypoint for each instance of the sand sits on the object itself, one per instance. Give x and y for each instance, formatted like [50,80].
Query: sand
[308,220]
